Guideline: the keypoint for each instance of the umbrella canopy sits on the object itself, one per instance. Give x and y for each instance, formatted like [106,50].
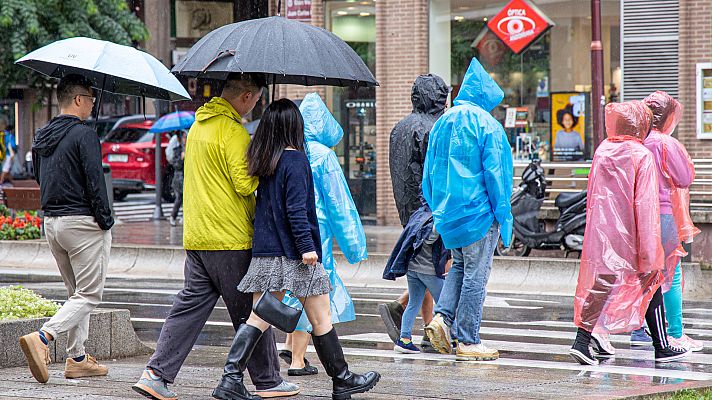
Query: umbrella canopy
[286,51]
[110,66]
[174,121]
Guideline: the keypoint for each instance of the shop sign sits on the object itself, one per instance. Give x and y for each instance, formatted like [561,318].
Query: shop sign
[519,24]
[299,10]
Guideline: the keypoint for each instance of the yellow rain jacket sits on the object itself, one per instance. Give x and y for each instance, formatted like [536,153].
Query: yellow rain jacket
[219,195]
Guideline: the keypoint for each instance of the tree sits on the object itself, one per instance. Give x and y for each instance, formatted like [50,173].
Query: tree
[26,25]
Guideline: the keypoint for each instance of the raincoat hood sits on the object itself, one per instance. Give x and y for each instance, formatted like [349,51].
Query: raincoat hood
[667,111]
[628,119]
[319,125]
[217,106]
[479,88]
[429,95]
[48,137]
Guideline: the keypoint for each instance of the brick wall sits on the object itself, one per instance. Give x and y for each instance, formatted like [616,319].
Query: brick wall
[401,55]
[695,47]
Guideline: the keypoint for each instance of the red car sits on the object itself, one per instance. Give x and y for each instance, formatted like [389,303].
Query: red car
[130,151]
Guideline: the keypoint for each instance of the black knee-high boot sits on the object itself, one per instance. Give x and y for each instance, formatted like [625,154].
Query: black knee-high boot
[345,382]
[231,386]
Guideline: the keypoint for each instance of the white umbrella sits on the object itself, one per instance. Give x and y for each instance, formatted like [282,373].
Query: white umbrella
[110,66]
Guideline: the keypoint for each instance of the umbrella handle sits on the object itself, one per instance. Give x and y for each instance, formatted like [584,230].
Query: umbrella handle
[98,106]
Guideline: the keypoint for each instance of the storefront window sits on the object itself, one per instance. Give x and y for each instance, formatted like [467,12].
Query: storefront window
[547,86]
[355,108]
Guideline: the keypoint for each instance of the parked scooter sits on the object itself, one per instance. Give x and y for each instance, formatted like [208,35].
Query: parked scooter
[530,231]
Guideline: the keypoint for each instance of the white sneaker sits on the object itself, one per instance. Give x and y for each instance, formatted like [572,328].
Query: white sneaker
[601,344]
[172,221]
[694,345]
[475,352]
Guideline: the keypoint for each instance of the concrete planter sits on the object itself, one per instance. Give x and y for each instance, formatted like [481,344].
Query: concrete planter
[111,335]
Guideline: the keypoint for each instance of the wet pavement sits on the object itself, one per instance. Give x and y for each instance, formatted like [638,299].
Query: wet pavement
[532,332]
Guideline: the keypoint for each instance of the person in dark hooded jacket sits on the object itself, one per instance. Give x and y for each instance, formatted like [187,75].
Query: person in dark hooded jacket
[67,159]
[409,142]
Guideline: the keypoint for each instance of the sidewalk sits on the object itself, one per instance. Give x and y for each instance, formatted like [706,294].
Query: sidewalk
[404,377]
[381,239]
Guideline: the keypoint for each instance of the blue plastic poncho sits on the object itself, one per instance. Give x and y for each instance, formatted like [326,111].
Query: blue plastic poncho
[468,166]
[335,209]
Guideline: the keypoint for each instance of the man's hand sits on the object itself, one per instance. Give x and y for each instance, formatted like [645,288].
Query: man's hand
[310,258]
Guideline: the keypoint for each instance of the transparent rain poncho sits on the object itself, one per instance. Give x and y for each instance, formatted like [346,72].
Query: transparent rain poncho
[676,171]
[622,254]
[468,172]
[335,208]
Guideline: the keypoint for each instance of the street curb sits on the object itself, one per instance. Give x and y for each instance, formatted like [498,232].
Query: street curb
[509,274]
[111,335]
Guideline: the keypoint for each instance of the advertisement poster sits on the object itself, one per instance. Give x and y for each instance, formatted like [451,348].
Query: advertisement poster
[568,126]
[194,19]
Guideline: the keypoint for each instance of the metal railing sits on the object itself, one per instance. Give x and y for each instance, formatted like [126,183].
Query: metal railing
[573,177]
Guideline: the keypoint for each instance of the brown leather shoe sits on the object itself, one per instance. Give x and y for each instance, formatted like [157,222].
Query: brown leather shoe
[85,368]
[37,354]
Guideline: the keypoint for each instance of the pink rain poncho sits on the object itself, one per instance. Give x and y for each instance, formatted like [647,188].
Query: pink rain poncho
[675,174]
[622,254]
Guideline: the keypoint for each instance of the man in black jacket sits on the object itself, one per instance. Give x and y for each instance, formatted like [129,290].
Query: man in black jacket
[409,142]
[67,160]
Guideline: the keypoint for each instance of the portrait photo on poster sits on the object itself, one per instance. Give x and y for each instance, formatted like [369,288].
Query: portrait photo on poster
[568,126]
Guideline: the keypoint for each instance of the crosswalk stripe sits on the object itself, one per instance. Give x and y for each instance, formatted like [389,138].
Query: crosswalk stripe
[642,354]
[511,362]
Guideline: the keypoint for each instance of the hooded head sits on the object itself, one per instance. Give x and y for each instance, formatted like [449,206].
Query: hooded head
[429,95]
[479,88]
[319,125]
[667,111]
[631,118]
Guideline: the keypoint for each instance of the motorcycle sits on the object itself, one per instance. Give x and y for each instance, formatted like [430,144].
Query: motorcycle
[530,231]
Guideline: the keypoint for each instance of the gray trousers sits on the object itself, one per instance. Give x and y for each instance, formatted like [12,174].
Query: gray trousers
[81,250]
[209,275]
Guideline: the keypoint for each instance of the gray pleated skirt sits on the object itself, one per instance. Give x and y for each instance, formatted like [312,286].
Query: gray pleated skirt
[276,274]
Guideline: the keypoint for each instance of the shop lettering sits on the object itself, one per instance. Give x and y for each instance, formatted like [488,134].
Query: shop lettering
[516,12]
[359,104]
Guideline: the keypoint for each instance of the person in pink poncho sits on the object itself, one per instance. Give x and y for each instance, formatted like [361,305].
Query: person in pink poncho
[675,172]
[622,258]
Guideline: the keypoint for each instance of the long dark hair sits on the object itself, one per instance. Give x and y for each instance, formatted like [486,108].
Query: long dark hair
[281,126]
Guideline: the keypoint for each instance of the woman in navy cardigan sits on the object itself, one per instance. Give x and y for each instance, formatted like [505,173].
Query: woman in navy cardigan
[286,253]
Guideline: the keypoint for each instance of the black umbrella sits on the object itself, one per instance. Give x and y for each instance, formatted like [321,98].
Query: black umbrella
[286,51]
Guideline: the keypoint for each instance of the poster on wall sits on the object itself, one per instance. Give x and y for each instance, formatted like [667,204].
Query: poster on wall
[568,126]
[194,19]
[704,101]
[519,24]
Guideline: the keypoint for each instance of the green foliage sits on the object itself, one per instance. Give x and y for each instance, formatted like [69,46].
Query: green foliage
[26,25]
[17,302]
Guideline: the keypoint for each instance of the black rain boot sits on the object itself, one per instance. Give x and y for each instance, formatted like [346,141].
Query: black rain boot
[346,382]
[231,386]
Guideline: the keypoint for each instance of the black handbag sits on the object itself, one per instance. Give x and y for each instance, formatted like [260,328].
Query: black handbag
[278,314]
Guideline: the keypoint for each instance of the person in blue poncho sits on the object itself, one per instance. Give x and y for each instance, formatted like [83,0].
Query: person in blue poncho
[467,182]
[338,219]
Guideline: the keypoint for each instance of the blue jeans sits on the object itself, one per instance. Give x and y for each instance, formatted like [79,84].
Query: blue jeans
[673,297]
[417,283]
[463,295]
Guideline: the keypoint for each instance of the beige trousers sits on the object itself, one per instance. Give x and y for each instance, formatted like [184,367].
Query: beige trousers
[81,250]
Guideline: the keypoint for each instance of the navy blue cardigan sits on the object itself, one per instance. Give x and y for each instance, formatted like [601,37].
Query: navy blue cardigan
[286,224]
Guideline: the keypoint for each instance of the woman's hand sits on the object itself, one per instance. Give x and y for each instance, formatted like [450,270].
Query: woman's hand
[310,258]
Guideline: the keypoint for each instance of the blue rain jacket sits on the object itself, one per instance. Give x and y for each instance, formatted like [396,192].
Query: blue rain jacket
[468,166]
[335,208]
